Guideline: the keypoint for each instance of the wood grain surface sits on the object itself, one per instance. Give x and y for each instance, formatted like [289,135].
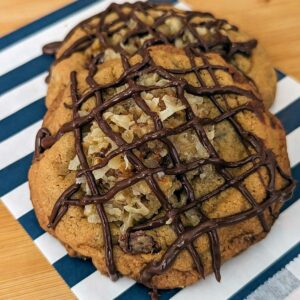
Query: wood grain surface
[17,13]
[24,272]
[275,23]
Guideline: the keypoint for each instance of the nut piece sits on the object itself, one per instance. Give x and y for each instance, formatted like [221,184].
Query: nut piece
[139,242]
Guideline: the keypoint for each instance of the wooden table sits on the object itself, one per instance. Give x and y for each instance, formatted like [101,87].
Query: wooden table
[24,272]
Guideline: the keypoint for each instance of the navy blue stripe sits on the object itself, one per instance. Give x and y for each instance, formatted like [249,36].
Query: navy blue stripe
[73,269]
[267,273]
[296,195]
[138,291]
[49,19]
[25,72]
[22,118]
[289,116]
[31,225]
[14,174]
[279,75]
[41,23]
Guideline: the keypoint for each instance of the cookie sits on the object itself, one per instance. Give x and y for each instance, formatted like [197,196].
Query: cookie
[158,166]
[129,27]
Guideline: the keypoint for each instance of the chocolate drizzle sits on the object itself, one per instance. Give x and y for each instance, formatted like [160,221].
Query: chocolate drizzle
[258,157]
[219,42]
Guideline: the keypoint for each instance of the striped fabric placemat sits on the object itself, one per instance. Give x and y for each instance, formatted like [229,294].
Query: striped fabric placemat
[268,270]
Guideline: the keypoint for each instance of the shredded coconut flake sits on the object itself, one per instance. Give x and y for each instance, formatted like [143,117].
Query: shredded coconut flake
[99,173]
[171,107]
[93,219]
[120,120]
[160,175]
[127,164]
[153,103]
[169,221]
[138,208]
[115,162]
[110,54]
[211,132]
[83,113]
[143,118]
[202,30]
[74,164]
[128,135]
[80,180]
[174,24]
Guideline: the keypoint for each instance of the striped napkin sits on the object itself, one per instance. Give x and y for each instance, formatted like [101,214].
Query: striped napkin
[268,270]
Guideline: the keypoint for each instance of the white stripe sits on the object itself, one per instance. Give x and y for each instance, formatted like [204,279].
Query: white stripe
[18,145]
[240,270]
[97,286]
[278,286]
[288,90]
[18,200]
[295,295]
[52,249]
[294,267]
[293,140]
[31,47]
[182,6]
[23,95]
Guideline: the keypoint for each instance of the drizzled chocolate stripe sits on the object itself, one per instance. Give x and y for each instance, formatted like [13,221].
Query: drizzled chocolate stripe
[185,236]
[220,42]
